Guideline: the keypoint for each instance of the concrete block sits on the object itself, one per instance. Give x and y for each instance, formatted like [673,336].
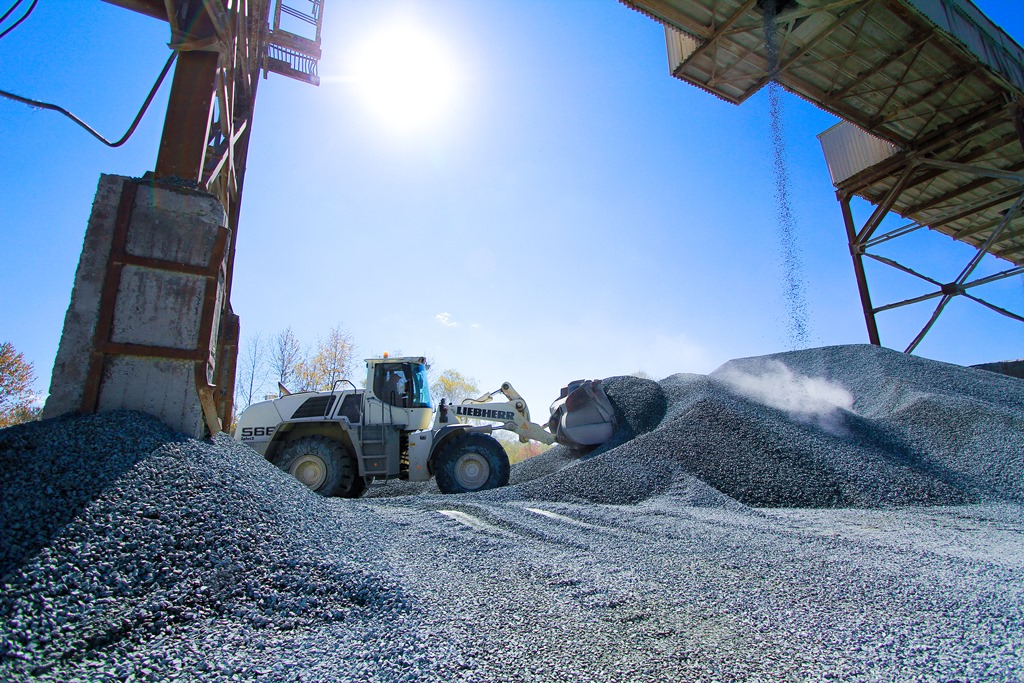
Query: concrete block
[160,387]
[72,362]
[157,307]
[174,225]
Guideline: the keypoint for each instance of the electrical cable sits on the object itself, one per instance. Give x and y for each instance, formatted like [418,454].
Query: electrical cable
[8,12]
[83,124]
[23,16]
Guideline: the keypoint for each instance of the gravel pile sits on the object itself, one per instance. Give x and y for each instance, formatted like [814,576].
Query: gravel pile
[190,557]
[849,426]
[739,527]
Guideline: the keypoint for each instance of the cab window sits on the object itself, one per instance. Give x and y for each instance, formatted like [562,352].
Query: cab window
[403,385]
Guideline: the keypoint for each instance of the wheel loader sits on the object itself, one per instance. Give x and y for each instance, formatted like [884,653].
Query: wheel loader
[340,441]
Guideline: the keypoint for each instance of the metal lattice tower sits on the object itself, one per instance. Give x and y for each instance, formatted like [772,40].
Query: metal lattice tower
[222,47]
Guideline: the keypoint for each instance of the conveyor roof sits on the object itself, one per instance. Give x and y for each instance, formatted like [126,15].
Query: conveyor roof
[935,78]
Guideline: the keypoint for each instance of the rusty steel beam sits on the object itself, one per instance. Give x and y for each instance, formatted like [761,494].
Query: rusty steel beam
[962,291]
[103,345]
[893,234]
[665,13]
[848,53]
[1009,272]
[995,309]
[943,302]
[227,351]
[883,207]
[187,125]
[962,235]
[858,269]
[992,239]
[899,266]
[233,59]
[954,80]
[858,244]
[222,47]
[1017,115]
[909,302]
[957,286]
[151,8]
[879,111]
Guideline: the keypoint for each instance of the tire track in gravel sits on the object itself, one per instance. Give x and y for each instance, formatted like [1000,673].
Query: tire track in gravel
[539,595]
[710,592]
[605,581]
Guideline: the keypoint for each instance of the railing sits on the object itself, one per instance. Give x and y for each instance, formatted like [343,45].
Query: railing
[293,49]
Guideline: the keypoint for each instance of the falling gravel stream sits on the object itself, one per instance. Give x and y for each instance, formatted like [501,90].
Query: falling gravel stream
[794,288]
[845,513]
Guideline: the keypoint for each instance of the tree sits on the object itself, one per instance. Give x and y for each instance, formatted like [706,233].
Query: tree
[454,387]
[329,362]
[252,372]
[16,378]
[285,355]
[518,451]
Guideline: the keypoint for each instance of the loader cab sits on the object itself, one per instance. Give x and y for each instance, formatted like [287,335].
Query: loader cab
[402,383]
[397,393]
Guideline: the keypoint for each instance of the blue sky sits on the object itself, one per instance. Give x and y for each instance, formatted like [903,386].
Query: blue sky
[569,211]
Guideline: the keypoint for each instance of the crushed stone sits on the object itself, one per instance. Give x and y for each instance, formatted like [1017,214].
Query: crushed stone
[846,513]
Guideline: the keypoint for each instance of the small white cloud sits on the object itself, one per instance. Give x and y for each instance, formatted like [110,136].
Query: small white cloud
[446,319]
[475,326]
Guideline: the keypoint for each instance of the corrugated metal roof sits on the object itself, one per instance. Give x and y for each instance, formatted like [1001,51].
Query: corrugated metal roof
[849,150]
[935,78]
[989,43]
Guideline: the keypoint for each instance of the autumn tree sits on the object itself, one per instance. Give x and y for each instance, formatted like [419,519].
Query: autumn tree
[329,362]
[518,451]
[16,377]
[453,386]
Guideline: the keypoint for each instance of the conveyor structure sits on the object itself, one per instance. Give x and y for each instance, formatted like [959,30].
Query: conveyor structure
[931,93]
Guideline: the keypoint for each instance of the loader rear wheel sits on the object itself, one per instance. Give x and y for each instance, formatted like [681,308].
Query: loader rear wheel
[472,462]
[322,464]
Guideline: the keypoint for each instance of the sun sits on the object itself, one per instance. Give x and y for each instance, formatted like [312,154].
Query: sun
[405,76]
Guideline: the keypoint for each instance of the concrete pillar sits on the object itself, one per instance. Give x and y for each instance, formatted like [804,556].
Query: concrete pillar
[141,330]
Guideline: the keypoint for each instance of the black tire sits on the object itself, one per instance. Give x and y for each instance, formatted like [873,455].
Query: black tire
[355,486]
[471,462]
[322,464]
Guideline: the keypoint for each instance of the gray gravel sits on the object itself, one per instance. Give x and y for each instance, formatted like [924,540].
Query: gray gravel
[847,513]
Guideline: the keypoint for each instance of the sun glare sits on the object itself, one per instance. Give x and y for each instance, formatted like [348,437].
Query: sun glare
[406,77]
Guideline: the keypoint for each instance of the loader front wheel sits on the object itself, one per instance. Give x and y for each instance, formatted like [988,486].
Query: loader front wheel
[472,462]
[322,464]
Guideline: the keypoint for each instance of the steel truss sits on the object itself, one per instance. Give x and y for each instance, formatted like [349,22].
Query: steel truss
[863,238]
[946,93]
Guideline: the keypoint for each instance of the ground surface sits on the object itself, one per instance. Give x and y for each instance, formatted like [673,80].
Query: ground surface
[836,514]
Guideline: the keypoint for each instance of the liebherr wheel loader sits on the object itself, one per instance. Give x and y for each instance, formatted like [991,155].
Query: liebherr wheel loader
[337,442]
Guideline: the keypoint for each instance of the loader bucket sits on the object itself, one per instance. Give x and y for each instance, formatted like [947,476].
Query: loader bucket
[582,416]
